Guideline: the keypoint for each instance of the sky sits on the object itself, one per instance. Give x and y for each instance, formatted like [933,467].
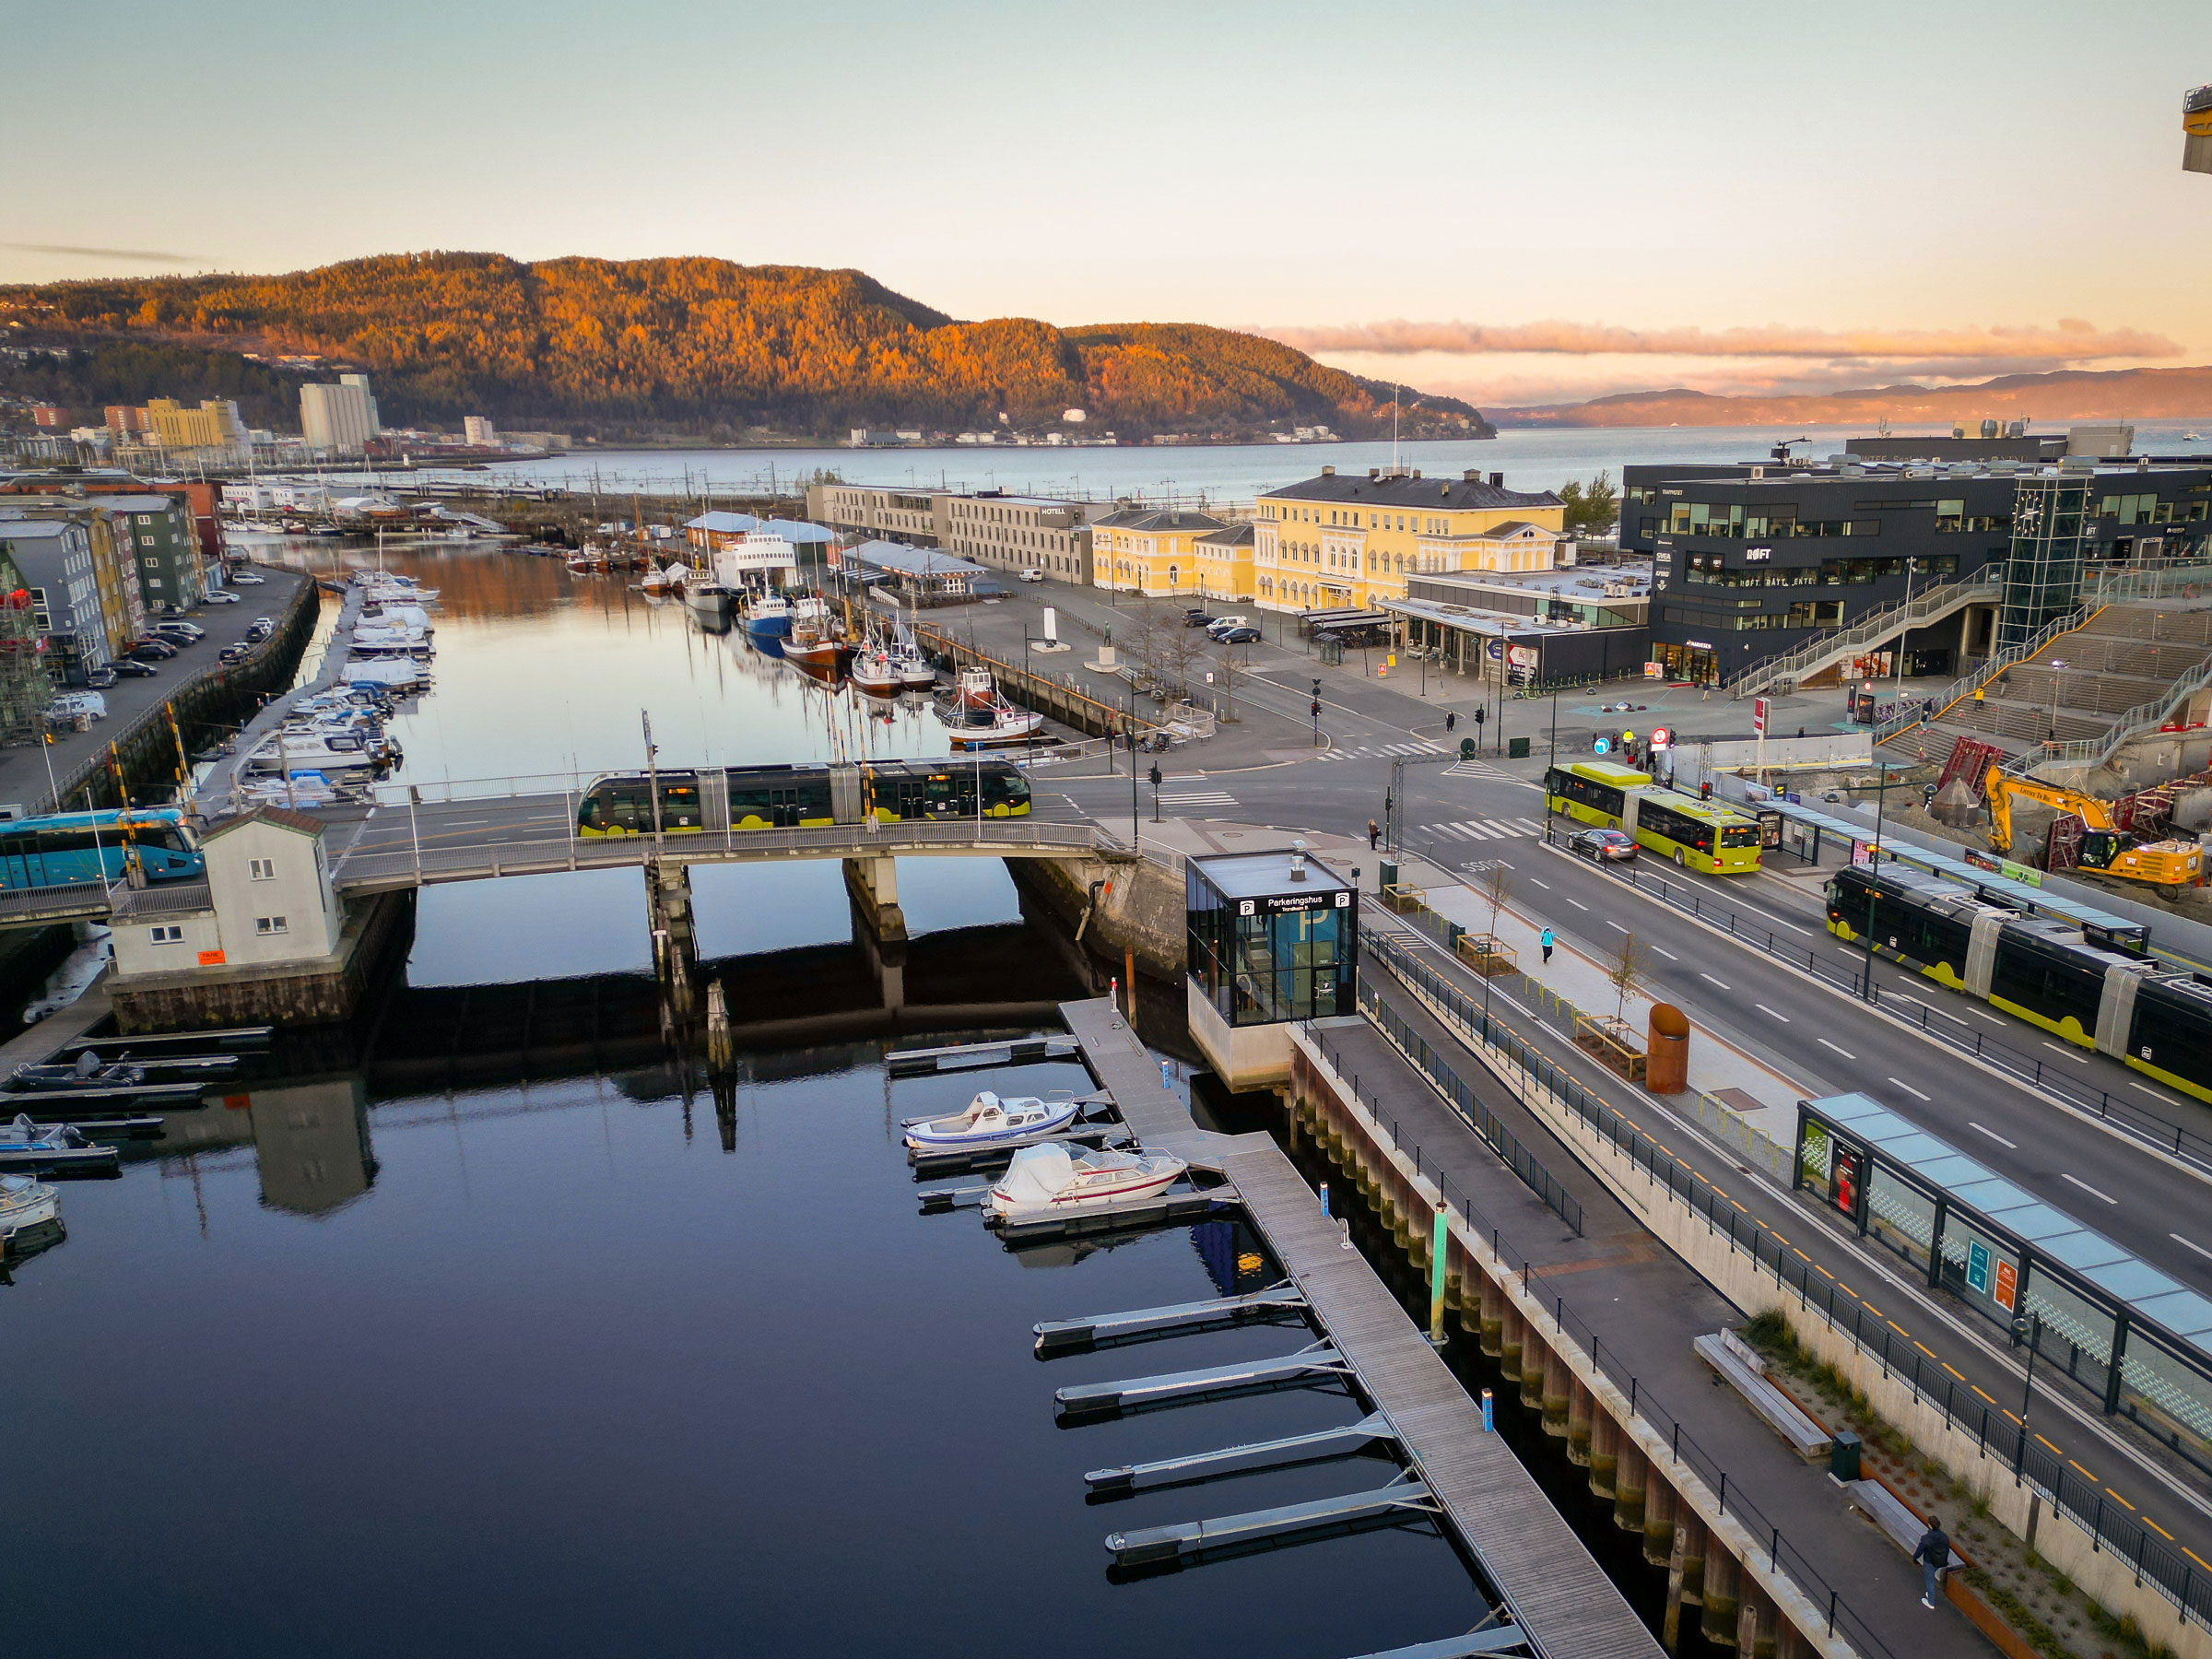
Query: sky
[1515,204]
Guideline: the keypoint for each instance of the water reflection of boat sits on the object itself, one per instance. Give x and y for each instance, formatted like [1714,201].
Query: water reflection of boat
[1050,1180]
[991,1121]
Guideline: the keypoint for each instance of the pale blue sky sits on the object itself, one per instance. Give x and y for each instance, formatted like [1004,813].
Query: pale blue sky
[1895,167]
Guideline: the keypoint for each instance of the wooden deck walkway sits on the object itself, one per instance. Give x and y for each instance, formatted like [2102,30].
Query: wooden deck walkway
[1556,1591]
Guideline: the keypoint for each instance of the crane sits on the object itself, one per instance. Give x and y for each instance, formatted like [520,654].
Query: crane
[2171,864]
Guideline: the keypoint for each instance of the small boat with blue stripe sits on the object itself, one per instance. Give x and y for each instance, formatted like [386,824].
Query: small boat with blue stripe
[992,1122]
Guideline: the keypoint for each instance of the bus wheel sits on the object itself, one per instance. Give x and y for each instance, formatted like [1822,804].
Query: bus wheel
[1679,860]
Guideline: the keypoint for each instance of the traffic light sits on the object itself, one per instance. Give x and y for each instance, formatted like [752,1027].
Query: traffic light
[1316,709]
[1480,716]
[1156,774]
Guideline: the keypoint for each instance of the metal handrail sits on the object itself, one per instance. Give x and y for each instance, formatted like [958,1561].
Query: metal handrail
[1922,608]
[1961,689]
[2152,711]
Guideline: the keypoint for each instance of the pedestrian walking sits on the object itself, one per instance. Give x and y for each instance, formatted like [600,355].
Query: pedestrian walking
[1801,734]
[1545,942]
[1450,720]
[1374,834]
[1933,1554]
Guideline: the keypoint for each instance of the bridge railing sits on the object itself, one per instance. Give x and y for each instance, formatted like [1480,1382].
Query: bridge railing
[414,864]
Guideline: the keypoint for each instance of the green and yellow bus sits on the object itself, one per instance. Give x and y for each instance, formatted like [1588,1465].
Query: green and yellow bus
[1701,835]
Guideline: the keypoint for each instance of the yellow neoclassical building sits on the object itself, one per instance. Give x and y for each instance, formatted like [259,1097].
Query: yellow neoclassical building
[1351,539]
[1151,551]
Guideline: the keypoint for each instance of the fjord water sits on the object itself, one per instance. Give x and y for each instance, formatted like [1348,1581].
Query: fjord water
[360,1364]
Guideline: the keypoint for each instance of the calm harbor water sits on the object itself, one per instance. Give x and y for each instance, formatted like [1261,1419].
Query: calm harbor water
[1530,459]
[567,1361]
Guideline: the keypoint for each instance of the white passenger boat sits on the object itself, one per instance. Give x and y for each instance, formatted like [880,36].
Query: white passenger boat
[1050,1180]
[25,1203]
[992,1122]
[332,754]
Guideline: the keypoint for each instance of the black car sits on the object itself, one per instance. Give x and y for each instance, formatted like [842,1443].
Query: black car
[1197,618]
[100,679]
[234,654]
[135,668]
[153,650]
[1243,634]
[1602,846]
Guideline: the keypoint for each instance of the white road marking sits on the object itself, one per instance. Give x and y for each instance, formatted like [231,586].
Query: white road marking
[1669,955]
[2154,1094]
[1825,1044]
[1991,1018]
[1617,927]
[1578,904]
[1708,978]
[2190,1244]
[1764,1009]
[1545,885]
[1992,1134]
[1910,1090]
[2070,1052]
[2085,1188]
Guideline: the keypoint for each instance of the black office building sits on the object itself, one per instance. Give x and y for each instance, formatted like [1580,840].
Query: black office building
[1754,561]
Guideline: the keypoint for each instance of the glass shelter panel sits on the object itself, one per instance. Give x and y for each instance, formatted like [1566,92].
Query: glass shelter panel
[2169,1396]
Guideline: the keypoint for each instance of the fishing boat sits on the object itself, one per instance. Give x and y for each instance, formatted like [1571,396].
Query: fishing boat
[25,1203]
[1050,1180]
[992,1122]
[43,1146]
[668,580]
[914,672]
[874,673]
[813,643]
[86,1071]
[710,601]
[979,716]
[768,616]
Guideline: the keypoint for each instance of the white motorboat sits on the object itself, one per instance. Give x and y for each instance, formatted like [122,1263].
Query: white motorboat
[328,753]
[874,673]
[1050,1180]
[991,1121]
[25,1203]
[26,1145]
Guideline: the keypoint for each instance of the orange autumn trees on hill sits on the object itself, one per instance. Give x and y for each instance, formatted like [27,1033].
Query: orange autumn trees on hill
[703,344]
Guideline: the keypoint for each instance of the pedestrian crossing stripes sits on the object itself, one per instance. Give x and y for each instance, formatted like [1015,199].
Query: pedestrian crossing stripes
[1483,770]
[1486,829]
[1384,751]
[1196,797]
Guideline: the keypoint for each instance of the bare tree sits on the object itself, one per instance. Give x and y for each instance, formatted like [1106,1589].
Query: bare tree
[1624,972]
[1496,892]
[1232,664]
[1180,649]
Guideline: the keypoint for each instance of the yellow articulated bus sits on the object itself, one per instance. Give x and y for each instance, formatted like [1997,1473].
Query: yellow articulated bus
[1698,835]
[793,797]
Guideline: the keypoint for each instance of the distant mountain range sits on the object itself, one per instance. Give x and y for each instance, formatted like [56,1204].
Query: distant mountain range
[689,347]
[2068,394]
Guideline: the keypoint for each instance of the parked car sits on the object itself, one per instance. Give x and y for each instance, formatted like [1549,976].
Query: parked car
[176,636]
[193,628]
[1221,625]
[1603,846]
[219,597]
[1243,634]
[153,650]
[101,679]
[1196,617]
[135,668]
[234,653]
[1030,576]
[247,579]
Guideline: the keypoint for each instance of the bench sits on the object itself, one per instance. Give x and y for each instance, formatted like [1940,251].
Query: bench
[1894,1516]
[1743,1370]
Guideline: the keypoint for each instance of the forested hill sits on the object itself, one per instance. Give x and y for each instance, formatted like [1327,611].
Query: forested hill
[696,346]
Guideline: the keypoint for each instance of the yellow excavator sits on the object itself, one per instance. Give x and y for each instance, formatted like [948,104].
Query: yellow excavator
[2105,851]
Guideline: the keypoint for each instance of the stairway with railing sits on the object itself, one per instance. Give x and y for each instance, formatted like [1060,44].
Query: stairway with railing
[1931,604]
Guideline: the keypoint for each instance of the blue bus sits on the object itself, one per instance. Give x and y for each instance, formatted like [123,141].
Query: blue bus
[81,847]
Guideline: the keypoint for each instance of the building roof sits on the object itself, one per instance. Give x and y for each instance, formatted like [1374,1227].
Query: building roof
[727,523]
[1512,527]
[284,818]
[799,532]
[1409,489]
[1157,519]
[912,561]
[1229,536]
[25,528]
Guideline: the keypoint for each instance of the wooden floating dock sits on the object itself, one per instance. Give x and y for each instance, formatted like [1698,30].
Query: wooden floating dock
[1561,1601]
[978,1056]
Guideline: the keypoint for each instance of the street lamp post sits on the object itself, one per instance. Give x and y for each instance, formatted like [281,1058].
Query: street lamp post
[2058,677]
[1904,626]
[1874,862]
[2029,1330]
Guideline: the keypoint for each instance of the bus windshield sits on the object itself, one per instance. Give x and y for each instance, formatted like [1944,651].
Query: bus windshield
[1740,835]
